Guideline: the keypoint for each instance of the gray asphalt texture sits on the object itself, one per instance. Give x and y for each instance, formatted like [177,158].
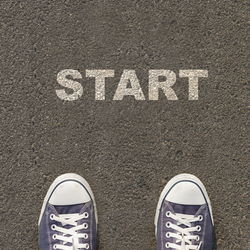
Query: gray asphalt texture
[127,150]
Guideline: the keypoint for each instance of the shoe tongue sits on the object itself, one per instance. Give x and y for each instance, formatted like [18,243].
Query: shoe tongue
[185,209]
[69,209]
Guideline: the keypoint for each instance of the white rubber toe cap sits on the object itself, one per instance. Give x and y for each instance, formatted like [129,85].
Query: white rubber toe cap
[184,189]
[186,193]
[69,192]
[68,189]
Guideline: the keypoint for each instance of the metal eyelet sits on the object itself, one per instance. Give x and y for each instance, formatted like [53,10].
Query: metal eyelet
[168,224]
[200,218]
[85,236]
[198,228]
[168,214]
[86,215]
[167,245]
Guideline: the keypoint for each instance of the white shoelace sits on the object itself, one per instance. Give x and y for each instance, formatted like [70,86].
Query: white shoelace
[183,236]
[70,235]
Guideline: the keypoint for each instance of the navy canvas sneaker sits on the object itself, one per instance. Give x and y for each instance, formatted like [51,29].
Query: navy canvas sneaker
[68,220]
[184,218]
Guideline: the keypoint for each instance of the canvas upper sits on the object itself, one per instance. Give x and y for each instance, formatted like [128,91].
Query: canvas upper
[68,218]
[184,217]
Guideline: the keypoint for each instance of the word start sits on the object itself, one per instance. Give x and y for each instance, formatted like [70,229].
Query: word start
[129,85]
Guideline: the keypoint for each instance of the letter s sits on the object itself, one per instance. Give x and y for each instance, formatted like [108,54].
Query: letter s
[68,83]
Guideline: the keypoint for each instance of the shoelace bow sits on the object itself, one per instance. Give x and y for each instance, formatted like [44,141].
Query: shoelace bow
[70,235]
[183,236]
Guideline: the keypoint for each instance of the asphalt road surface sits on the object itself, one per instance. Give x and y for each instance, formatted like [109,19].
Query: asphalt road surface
[127,150]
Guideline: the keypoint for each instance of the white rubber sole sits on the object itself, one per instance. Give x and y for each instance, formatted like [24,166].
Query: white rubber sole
[62,178]
[171,183]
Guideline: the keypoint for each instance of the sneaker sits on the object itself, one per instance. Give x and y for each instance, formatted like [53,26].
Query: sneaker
[184,218]
[68,219]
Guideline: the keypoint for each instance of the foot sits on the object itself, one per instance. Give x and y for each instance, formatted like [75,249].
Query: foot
[68,219]
[184,218]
